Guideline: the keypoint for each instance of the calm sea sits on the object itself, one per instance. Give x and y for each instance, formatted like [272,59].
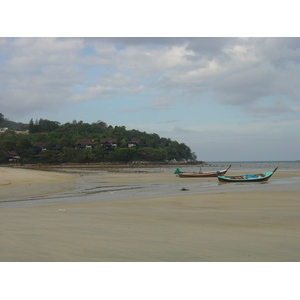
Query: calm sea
[266,166]
[236,166]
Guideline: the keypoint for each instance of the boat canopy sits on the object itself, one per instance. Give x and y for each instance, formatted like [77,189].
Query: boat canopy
[177,171]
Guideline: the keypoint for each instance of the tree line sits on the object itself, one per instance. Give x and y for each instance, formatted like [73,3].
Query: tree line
[61,138]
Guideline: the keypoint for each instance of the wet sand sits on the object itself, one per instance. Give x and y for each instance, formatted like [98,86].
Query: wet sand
[18,182]
[229,226]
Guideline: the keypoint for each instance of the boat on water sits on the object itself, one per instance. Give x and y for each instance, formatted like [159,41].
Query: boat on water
[247,177]
[200,174]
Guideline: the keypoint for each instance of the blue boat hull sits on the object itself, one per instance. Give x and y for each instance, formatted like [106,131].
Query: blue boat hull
[247,177]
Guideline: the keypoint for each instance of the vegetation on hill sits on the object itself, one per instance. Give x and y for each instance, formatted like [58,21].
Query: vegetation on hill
[4,122]
[58,143]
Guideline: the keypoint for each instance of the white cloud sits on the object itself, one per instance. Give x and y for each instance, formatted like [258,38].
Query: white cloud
[241,72]
[92,93]
[108,87]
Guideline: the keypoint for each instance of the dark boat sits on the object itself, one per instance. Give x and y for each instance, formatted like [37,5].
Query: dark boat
[200,174]
[247,177]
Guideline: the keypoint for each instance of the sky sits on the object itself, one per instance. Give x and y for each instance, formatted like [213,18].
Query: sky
[227,98]
[181,69]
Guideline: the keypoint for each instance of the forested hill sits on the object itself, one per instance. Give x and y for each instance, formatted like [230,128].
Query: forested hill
[11,124]
[51,142]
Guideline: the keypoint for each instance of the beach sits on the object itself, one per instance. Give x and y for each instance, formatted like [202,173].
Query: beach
[146,217]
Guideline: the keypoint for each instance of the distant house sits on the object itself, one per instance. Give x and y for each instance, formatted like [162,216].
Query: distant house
[84,144]
[26,132]
[38,147]
[109,143]
[136,143]
[12,156]
[3,129]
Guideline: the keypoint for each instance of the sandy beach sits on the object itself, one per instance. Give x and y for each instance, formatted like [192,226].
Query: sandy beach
[17,182]
[259,224]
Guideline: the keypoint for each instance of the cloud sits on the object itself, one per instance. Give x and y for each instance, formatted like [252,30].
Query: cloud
[107,87]
[49,73]
[240,74]
[276,108]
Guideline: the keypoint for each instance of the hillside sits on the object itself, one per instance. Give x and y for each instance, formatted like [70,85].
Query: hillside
[11,124]
[77,142]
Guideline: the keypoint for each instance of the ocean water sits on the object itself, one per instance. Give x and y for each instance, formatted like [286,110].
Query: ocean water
[236,166]
[266,166]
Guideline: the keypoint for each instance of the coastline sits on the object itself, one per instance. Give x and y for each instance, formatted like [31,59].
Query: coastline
[256,225]
[18,182]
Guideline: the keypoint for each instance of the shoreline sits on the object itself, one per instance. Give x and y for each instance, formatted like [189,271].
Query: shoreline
[31,187]
[152,220]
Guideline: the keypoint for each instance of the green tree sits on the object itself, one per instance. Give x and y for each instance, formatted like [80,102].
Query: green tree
[22,144]
[123,154]
[8,141]
[65,135]
[99,152]
[48,156]
[64,142]
[3,158]
[1,118]
[151,154]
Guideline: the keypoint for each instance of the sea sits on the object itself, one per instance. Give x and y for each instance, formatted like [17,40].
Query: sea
[263,166]
[236,166]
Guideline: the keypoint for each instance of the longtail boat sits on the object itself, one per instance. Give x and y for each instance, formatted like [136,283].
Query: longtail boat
[200,174]
[247,177]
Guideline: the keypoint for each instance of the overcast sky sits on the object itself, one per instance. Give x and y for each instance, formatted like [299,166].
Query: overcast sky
[226,98]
